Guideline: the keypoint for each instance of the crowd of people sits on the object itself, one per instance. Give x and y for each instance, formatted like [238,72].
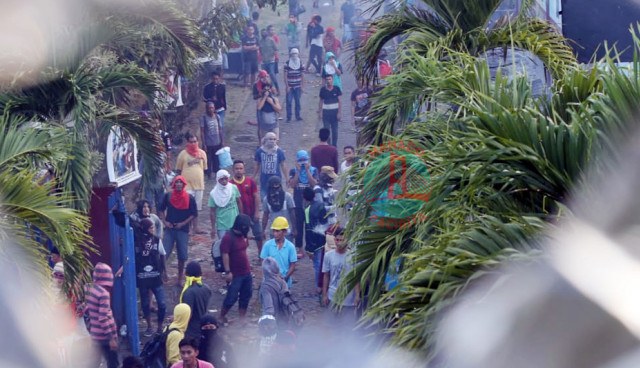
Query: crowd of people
[286,225]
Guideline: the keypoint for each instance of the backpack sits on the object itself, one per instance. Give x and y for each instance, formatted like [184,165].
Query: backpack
[216,255]
[292,309]
[154,352]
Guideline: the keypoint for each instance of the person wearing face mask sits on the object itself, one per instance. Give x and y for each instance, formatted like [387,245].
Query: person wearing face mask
[224,205]
[269,161]
[269,107]
[191,164]
[325,193]
[237,270]
[213,347]
[333,68]
[278,203]
[177,209]
[293,81]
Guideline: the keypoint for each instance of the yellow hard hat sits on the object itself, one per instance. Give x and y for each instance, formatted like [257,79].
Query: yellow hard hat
[280,223]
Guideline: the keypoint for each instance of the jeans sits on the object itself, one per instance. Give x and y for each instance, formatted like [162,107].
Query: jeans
[317,265]
[221,116]
[330,121]
[105,351]
[294,95]
[181,238]
[315,57]
[145,301]
[271,69]
[240,288]
[300,217]
[346,33]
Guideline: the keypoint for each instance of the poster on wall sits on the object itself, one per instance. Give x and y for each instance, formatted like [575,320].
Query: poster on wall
[122,151]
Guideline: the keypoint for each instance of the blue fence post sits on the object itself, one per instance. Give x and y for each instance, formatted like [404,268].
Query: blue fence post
[124,289]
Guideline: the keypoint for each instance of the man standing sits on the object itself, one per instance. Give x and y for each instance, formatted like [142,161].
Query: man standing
[196,295]
[337,263]
[269,161]
[277,203]
[330,107]
[250,55]
[249,198]
[237,270]
[211,131]
[325,192]
[280,249]
[191,164]
[346,13]
[224,205]
[360,104]
[293,80]
[102,327]
[216,92]
[314,39]
[302,176]
[316,226]
[180,209]
[268,52]
[323,154]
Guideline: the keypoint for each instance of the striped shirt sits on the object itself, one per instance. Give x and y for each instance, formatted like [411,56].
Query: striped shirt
[294,76]
[102,326]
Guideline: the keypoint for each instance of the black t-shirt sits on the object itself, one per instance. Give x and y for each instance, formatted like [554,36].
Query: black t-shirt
[250,41]
[362,98]
[215,93]
[330,97]
[175,215]
[348,9]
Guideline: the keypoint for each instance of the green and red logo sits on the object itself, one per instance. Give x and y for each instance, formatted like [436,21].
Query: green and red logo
[397,184]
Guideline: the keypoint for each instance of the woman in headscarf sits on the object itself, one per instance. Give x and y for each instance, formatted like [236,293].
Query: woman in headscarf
[272,287]
[278,203]
[333,68]
[143,210]
[150,267]
[213,347]
[224,205]
[181,316]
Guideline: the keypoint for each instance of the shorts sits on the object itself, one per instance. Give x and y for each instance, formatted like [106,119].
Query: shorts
[256,229]
[269,121]
[180,238]
[197,194]
[250,64]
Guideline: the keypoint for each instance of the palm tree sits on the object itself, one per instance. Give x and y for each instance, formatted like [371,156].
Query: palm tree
[503,165]
[431,34]
[33,211]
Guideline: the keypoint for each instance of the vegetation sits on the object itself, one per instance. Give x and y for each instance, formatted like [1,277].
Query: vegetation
[502,162]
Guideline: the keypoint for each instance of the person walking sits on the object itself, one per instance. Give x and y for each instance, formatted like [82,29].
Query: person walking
[257,91]
[277,203]
[268,52]
[360,104]
[282,250]
[293,81]
[102,327]
[336,265]
[324,154]
[224,205]
[302,176]
[269,107]
[314,42]
[211,132]
[272,287]
[191,163]
[347,11]
[333,68]
[250,200]
[269,161]
[330,107]
[237,270]
[196,295]
[331,43]
[316,226]
[177,210]
[292,30]
[216,92]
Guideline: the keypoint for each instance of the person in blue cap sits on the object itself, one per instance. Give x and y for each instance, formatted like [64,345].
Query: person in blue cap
[302,176]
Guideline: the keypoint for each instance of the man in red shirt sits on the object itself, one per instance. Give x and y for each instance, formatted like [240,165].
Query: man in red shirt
[324,154]
[250,200]
[237,270]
